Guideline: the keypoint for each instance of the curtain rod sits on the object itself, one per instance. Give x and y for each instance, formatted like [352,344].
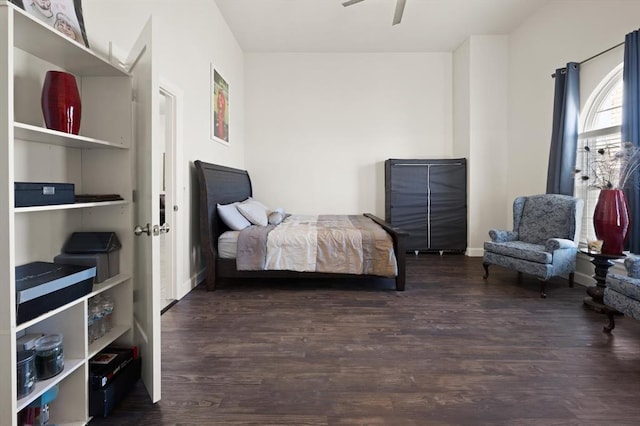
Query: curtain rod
[592,57]
[602,53]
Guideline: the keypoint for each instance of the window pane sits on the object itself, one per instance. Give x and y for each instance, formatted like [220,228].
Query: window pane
[603,112]
[606,108]
[608,117]
[609,111]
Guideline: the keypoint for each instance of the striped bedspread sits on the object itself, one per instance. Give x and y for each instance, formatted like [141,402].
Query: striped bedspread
[348,244]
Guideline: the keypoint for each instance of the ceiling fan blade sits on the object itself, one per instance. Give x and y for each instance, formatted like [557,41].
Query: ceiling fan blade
[397,17]
[350,2]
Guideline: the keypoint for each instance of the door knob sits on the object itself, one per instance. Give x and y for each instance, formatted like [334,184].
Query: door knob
[139,230]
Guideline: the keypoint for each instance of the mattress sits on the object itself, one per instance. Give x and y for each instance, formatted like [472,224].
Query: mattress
[347,244]
[228,245]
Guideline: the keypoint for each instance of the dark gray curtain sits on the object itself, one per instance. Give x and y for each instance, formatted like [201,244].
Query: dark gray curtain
[564,136]
[631,130]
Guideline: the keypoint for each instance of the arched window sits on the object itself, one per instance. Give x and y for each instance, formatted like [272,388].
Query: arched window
[600,124]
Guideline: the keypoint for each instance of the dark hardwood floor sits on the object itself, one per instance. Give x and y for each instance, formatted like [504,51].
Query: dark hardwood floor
[451,349]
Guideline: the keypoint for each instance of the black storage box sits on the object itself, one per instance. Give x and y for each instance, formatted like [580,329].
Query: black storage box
[99,249]
[105,366]
[107,264]
[91,242]
[103,401]
[43,286]
[27,194]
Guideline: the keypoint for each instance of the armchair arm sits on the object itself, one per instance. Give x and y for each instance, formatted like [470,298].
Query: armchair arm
[623,278]
[553,244]
[632,265]
[502,236]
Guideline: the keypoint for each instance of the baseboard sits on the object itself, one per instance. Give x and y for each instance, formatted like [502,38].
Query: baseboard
[583,279]
[200,277]
[474,252]
[191,283]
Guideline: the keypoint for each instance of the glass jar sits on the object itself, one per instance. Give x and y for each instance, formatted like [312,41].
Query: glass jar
[90,331]
[26,372]
[107,313]
[98,325]
[49,356]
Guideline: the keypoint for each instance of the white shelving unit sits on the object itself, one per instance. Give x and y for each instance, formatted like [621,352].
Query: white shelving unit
[98,161]
[32,133]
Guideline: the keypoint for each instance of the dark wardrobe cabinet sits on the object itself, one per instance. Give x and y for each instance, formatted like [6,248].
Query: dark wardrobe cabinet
[428,200]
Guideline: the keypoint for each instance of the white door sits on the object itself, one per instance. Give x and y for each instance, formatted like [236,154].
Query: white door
[146,211]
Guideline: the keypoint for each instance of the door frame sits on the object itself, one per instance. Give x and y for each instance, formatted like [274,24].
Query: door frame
[173,96]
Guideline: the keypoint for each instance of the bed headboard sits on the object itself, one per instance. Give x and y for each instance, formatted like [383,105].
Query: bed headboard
[218,185]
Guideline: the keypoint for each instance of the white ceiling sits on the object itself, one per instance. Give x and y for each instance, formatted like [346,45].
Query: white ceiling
[327,26]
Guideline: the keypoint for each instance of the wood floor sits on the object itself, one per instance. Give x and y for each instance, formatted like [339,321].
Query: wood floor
[451,349]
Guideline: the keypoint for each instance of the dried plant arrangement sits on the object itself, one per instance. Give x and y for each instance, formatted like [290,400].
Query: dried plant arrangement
[610,167]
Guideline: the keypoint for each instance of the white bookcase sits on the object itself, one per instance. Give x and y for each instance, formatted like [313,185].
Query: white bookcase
[99,160]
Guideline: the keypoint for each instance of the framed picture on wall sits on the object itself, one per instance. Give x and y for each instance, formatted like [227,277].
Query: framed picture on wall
[219,107]
[64,16]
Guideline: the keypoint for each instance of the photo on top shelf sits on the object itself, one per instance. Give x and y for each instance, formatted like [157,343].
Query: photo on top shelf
[219,107]
[63,15]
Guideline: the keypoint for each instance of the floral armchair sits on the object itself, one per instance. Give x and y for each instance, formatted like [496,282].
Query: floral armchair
[544,239]
[622,292]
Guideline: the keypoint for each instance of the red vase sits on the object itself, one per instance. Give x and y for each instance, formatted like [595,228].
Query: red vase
[61,102]
[611,220]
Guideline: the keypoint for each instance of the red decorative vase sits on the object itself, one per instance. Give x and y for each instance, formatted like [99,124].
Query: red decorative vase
[61,102]
[611,220]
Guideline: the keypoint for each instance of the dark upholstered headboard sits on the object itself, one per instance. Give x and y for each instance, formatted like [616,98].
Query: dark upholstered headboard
[218,185]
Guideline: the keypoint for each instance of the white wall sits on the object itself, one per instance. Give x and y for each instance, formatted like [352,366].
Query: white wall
[480,123]
[462,100]
[192,34]
[319,126]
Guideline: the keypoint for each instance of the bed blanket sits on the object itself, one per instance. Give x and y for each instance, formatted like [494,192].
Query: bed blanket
[348,244]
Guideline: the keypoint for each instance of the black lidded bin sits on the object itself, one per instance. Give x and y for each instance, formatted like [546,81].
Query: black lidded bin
[99,249]
[28,194]
[43,286]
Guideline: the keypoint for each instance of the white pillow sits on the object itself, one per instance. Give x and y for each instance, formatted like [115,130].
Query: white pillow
[254,211]
[232,217]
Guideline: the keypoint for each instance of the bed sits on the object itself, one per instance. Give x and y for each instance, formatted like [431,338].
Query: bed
[221,185]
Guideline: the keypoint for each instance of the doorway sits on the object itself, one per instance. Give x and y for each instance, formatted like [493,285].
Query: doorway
[167,141]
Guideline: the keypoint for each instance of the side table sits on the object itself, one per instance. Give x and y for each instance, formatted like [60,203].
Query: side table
[602,263]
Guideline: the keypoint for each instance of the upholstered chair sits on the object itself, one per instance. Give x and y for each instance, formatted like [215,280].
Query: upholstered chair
[622,292]
[544,239]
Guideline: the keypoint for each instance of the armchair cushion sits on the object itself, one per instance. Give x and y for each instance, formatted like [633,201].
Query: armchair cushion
[627,286]
[622,293]
[520,250]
